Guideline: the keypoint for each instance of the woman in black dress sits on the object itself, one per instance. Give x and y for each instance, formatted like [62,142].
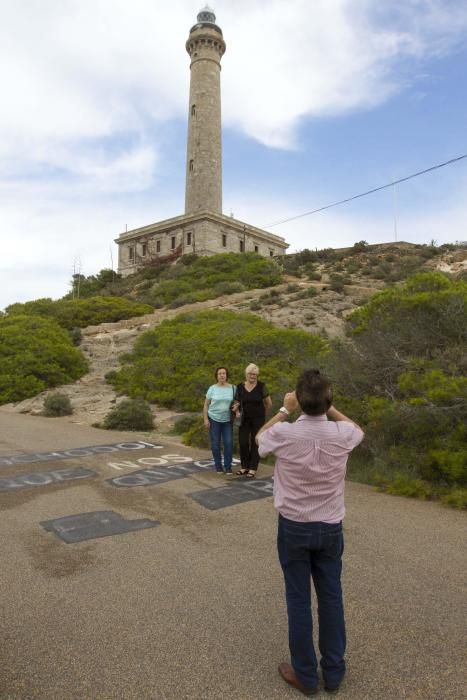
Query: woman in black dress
[253,402]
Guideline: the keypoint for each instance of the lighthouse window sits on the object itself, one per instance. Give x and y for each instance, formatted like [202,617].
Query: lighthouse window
[144,249]
[192,165]
[256,248]
[188,238]
[158,246]
[172,242]
[224,240]
[271,253]
[193,110]
[242,246]
[131,253]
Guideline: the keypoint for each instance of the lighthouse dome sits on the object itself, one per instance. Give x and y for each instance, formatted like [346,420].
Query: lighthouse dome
[206,15]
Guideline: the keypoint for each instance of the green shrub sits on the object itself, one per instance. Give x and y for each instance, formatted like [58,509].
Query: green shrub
[402,375]
[337,283]
[404,485]
[57,404]
[76,336]
[457,498]
[306,293]
[184,423]
[79,313]
[173,364]
[222,288]
[197,435]
[35,354]
[314,275]
[210,277]
[129,414]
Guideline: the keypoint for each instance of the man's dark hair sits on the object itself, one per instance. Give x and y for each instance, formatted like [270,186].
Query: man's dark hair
[217,370]
[314,392]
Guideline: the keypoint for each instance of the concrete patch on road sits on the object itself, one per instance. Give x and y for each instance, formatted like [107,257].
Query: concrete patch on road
[160,473]
[77,452]
[90,526]
[23,481]
[233,494]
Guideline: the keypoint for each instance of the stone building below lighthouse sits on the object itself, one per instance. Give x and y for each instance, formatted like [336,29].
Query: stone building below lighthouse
[203,228]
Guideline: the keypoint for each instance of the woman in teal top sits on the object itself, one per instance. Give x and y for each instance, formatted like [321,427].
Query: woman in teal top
[217,419]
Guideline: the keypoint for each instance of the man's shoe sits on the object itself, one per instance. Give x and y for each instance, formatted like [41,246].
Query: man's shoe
[288,674]
[331,689]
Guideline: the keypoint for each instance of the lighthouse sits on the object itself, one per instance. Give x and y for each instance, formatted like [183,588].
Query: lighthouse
[205,46]
[202,229]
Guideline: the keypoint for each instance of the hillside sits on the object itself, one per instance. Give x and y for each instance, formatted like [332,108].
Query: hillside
[319,290]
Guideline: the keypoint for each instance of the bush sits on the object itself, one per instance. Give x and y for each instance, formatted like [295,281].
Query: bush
[79,313]
[457,498]
[173,364]
[314,275]
[35,354]
[57,405]
[76,336]
[210,277]
[129,414]
[197,435]
[184,423]
[402,375]
[337,283]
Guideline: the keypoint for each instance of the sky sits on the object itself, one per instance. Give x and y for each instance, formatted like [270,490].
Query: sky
[321,100]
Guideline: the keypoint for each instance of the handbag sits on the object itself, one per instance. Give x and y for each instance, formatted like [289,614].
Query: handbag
[237,420]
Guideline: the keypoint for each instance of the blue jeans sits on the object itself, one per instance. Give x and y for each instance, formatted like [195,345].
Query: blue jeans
[216,432]
[313,549]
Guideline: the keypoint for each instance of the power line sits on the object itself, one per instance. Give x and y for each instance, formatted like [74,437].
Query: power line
[364,194]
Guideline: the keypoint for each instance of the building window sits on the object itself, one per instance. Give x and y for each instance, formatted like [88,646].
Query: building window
[242,246]
[192,165]
[131,254]
[188,238]
[256,248]
[193,110]
[224,240]
[172,242]
[158,246]
[144,249]
[271,253]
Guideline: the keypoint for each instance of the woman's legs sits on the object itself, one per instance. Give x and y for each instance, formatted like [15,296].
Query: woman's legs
[244,442]
[249,455]
[218,431]
[255,425]
[227,440]
[215,437]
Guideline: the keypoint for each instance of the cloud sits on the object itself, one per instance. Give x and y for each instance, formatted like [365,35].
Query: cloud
[92,69]
[326,58]
[91,89]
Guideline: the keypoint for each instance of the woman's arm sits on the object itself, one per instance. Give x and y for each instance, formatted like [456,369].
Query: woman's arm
[267,403]
[205,413]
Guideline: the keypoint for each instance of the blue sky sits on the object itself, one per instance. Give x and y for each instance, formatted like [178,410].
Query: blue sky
[321,100]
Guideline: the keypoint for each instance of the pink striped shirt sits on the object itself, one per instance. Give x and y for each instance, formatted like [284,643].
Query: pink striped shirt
[311,461]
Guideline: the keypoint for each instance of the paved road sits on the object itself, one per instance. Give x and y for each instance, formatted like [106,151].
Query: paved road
[193,607]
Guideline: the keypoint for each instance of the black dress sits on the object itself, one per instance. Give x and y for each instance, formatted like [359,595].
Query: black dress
[253,418]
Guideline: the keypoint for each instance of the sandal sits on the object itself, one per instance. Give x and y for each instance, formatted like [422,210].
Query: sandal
[251,474]
[242,472]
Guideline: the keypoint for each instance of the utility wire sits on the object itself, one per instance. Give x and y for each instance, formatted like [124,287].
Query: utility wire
[364,194]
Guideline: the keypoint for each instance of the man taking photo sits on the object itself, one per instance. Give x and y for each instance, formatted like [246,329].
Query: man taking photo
[311,460]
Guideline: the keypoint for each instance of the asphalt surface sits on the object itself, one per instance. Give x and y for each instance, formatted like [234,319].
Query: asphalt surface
[194,607]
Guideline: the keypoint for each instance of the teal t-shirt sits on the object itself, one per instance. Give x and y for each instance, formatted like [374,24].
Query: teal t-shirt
[220,397]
